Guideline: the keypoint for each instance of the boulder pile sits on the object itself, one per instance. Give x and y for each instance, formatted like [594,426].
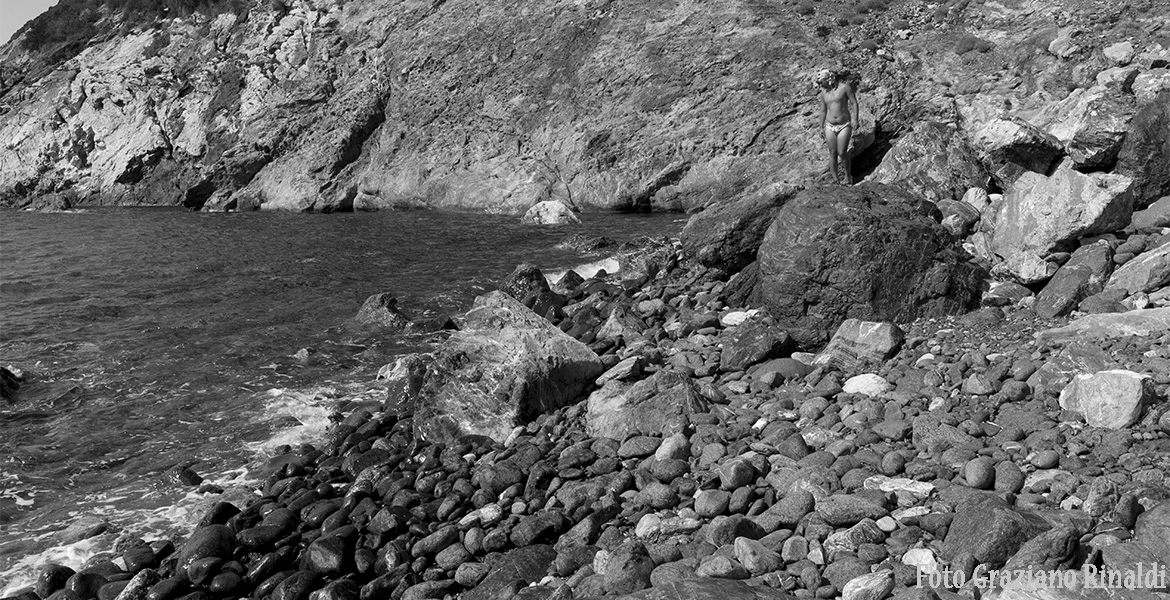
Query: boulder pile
[645,438]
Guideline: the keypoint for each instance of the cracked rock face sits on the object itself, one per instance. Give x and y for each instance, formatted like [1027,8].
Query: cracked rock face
[320,106]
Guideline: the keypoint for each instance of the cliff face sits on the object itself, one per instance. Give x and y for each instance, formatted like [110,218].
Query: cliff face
[323,105]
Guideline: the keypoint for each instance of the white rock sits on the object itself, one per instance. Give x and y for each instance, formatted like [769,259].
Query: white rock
[909,512]
[1147,272]
[550,212]
[1121,53]
[674,446]
[736,317]
[917,489]
[1111,399]
[922,559]
[650,525]
[1119,78]
[857,341]
[871,586]
[870,384]
[1148,84]
[1040,213]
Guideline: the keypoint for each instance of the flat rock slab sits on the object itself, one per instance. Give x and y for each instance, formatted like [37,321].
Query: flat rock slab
[1150,321]
[1147,272]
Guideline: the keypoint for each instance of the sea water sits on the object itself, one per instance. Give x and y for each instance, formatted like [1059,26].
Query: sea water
[154,339]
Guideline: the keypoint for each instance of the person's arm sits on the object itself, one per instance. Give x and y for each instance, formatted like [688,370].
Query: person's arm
[824,110]
[853,105]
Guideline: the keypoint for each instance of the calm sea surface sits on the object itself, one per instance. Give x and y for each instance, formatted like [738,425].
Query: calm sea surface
[159,337]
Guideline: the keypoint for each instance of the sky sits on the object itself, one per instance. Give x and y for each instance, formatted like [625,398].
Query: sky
[15,13]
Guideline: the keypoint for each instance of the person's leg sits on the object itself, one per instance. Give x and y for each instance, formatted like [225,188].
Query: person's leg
[842,148]
[831,144]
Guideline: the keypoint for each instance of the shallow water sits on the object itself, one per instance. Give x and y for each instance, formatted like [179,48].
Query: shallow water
[159,337]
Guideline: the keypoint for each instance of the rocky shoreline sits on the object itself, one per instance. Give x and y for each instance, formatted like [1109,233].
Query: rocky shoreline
[646,436]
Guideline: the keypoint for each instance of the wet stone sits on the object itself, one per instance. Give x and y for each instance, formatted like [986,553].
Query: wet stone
[85,585]
[435,542]
[326,556]
[296,586]
[139,586]
[51,579]
[342,589]
[211,541]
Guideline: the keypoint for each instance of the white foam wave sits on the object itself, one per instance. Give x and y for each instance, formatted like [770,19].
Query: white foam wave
[310,408]
[586,270]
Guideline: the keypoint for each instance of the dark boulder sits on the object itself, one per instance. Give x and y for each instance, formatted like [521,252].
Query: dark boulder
[523,281]
[1085,274]
[868,252]
[210,541]
[1145,153]
[9,383]
[727,236]
[753,341]
[381,310]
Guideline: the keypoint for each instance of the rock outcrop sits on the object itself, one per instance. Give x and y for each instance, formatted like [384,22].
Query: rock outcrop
[321,106]
[550,212]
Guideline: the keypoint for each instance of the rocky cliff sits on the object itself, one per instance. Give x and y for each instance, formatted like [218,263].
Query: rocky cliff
[323,105]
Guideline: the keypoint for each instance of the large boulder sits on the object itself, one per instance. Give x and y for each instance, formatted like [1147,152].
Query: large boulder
[1145,153]
[1148,272]
[869,252]
[1040,215]
[659,405]
[932,161]
[727,236]
[1011,147]
[1082,276]
[990,534]
[507,366]
[1112,399]
[1091,123]
[550,212]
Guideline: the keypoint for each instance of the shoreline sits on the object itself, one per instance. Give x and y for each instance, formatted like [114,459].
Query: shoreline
[758,492]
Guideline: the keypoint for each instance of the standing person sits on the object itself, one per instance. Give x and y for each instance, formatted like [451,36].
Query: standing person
[838,119]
